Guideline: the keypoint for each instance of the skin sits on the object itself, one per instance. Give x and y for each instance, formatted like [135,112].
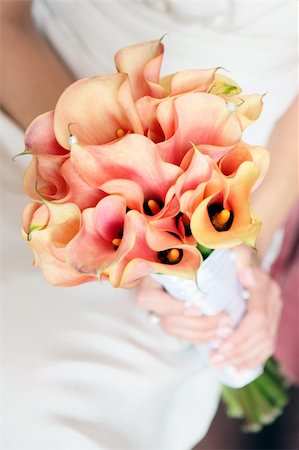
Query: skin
[43,78]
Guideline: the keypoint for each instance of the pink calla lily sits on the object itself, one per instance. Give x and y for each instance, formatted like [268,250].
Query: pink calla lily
[199,118]
[133,157]
[99,239]
[40,138]
[143,252]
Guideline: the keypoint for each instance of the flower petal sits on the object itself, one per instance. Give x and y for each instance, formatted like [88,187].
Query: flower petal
[89,252]
[198,80]
[40,138]
[202,119]
[133,157]
[142,63]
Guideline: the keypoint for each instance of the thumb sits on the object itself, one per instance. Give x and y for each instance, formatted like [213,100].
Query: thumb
[244,264]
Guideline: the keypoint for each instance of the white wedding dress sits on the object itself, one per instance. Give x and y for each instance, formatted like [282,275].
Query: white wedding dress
[83,368]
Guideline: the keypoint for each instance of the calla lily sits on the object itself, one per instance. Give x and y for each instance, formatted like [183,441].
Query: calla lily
[200,118]
[223,218]
[48,228]
[133,157]
[99,240]
[147,250]
[40,138]
[96,110]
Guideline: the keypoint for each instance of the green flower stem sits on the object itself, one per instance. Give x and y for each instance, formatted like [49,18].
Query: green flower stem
[252,422]
[274,390]
[234,407]
[261,401]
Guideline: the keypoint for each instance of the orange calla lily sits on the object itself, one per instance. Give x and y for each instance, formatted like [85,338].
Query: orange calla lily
[213,228]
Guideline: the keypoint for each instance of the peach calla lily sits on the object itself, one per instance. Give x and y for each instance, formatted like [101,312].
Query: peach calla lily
[48,228]
[95,109]
[142,63]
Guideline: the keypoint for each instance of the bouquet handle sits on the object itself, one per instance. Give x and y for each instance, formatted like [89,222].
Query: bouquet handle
[216,289]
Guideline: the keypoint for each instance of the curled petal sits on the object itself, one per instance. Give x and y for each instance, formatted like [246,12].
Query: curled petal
[142,63]
[43,178]
[230,163]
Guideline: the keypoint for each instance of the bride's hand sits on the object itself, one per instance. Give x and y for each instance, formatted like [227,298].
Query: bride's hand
[178,320]
[249,345]
[254,339]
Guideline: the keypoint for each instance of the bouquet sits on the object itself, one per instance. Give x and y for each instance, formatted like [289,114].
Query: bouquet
[133,174]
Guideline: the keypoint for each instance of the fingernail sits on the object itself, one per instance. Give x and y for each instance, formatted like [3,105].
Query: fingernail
[192,311]
[226,347]
[215,345]
[224,332]
[248,277]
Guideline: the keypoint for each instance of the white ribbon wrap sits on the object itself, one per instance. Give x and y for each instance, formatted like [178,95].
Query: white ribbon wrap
[216,289]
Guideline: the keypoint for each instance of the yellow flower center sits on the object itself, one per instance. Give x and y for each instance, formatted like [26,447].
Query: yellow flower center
[120,133]
[220,220]
[153,207]
[171,256]
[116,242]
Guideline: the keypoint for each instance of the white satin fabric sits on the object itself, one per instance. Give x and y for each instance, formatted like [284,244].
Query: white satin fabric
[83,368]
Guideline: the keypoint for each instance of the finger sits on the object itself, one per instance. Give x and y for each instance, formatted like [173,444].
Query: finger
[219,324]
[151,297]
[251,359]
[192,336]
